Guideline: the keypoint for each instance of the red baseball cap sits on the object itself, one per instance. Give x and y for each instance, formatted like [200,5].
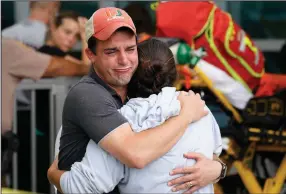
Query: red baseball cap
[105,21]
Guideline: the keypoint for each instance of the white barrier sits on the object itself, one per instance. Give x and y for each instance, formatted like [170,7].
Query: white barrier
[58,89]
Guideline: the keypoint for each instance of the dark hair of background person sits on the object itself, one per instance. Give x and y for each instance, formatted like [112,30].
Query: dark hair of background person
[40,4]
[156,69]
[65,15]
[141,18]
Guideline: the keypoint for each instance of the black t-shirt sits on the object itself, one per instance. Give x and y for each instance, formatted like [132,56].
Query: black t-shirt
[90,112]
[52,50]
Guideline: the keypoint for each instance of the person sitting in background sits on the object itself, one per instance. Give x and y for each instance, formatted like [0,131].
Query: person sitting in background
[32,31]
[67,28]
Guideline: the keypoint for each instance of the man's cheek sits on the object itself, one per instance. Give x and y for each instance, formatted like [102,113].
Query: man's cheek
[135,62]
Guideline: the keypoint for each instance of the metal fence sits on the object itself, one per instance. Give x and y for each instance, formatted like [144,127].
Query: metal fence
[57,90]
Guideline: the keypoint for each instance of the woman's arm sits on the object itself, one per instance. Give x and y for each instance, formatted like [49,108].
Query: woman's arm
[74,60]
[98,172]
[73,181]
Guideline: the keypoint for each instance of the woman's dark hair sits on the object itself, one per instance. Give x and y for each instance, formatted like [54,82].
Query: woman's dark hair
[156,69]
[65,15]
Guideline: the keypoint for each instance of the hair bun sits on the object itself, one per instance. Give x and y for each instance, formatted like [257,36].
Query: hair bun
[156,68]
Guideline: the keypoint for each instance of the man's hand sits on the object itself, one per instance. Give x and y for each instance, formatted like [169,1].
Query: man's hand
[192,106]
[204,172]
[53,167]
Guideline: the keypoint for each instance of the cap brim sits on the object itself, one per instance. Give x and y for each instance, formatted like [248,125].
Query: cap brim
[106,32]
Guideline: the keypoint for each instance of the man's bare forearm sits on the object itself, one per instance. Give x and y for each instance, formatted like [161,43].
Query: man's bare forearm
[62,67]
[151,144]
[54,176]
[136,150]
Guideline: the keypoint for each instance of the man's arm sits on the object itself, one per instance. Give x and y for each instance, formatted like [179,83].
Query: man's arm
[139,149]
[136,150]
[204,172]
[99,117]
[61,67]
[76,180]
[26,62]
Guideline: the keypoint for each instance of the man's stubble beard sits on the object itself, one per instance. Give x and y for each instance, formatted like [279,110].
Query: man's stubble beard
[122,80]
[117,81]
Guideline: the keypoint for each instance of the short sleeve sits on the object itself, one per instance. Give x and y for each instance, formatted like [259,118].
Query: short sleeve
[94,110]
[23,61]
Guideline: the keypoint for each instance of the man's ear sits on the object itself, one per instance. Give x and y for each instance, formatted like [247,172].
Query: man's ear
[90,55]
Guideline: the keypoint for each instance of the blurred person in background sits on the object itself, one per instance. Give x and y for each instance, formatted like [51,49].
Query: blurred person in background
[67,28]
[64,33]
[32,30]
[24,62]
[142,20]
